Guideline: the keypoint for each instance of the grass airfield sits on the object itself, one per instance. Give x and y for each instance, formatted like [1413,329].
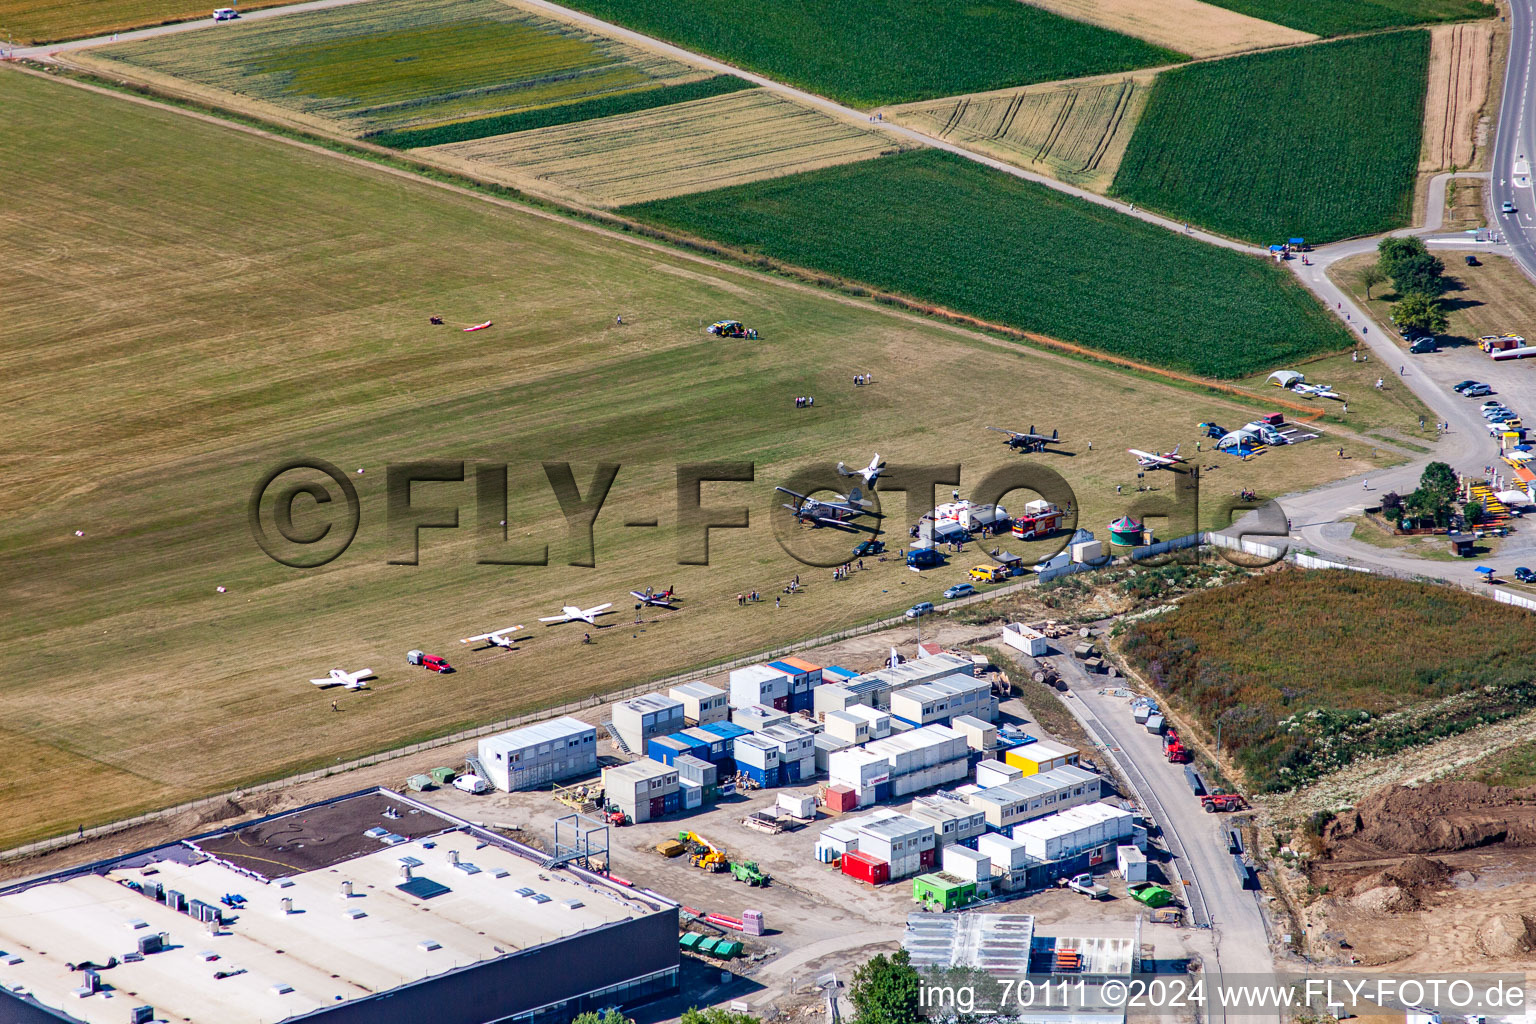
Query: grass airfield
[189,306]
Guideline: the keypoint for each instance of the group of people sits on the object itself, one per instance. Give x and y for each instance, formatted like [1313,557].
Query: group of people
[845,570]
[804,403]
[861,379]
[750,597]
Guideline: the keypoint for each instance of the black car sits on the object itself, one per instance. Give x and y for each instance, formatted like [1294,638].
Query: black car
[1524,575]
[1471,260]
[1459,388]
[1420,345]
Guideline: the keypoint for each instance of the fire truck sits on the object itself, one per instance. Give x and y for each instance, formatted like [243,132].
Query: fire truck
[1040,519]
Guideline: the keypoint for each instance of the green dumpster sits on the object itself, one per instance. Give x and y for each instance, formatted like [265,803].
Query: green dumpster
[443,776]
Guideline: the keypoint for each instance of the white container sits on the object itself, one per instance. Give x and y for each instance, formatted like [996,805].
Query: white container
[966,865]
[797,805]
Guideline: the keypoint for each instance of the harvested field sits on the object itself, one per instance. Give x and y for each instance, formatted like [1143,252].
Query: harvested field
[1328,135]
[1436,876]
[396,64]
[867,53]
[688,147]
[1459,57]
[1076,132]
[32,22]
[1188,26]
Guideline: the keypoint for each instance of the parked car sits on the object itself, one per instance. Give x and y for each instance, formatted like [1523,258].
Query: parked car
[959,590]
[1524,575]
[1508,207]
[1471,260]
[471,784]
[924,558]
[920,609]
[428,661]
[1459,388]
[1493,403]
[1419,346]
[1477,391]
[989,573]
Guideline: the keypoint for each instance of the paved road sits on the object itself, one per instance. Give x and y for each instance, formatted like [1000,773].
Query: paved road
[1511,178]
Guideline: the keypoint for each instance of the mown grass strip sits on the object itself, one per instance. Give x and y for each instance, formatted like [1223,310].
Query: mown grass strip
[1320,142]
[944,230]
[567,113]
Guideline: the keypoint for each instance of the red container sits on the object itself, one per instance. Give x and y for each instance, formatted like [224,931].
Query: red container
[781,703]
[927,857]
[658,806]
[866,868]
[839,798]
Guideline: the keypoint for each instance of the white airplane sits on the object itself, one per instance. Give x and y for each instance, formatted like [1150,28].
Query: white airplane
[1158,460]
[870,473]
[499,638]
[350,680]
[570,613]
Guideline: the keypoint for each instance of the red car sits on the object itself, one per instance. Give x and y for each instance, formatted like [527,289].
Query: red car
[428,661]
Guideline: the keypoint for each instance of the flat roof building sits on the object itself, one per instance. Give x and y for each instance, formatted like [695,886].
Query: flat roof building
[537,755]
[369,909]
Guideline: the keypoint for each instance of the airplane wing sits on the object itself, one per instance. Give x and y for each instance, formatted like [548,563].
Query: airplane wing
[793,494]
[599,609]
[472,639]
[555,618]
[327,681]
[1010,433]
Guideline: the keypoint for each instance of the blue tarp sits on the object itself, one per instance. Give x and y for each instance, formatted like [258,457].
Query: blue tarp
[1485,570]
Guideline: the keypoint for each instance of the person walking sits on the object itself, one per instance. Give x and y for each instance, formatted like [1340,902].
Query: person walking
[1365,485]
[776,601]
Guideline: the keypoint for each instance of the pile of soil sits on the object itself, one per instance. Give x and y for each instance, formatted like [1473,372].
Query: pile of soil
[1386,899]
[1402,886]
[1507,935]
[1437,817]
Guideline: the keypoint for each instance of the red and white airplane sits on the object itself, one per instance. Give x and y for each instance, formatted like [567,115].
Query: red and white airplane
[571,613]
[499,638]
[1158,460]
[655,598]
[350,680]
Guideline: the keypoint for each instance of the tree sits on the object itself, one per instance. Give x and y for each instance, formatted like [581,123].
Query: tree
[1393,252]
[1392,506]
[1372,276]
[1440,478]
[718,1015]
[1473,510]
[611,1017]
[1420,275]
[885,990]
[1419,310]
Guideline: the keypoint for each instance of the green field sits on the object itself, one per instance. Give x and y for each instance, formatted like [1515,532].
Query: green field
[569,113]
[1320,142]
[1308,671]
[1339,17]
[188,305]
[942,229]
[869,52]
[399,64]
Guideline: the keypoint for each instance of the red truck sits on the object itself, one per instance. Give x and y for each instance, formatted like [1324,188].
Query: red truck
[1174,749]
[1040,519]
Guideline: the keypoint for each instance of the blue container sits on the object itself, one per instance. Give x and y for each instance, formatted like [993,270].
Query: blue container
[767,778]
[699,748]
[802,701]
[672,802]
[665,749]
[882,792]
[791,771]
[728,732]
[717,744]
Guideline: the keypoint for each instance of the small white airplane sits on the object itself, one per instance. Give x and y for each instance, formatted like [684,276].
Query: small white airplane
[499,638]
[350,680]
[870,473]
[570,613]
[1158,460]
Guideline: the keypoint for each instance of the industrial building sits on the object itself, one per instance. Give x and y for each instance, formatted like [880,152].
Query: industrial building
[758,717]
[857,724]
[954,820]
[701,702]
[1091,828]
[758,758]
[760,684]
[1035,796]
[638,720]
[1040,756]
[804,677]
[797,754]
[371,908]
[979,735]
[825,745]
[643,789]
[874,689]
[934,755]
[905,844]
[537,755]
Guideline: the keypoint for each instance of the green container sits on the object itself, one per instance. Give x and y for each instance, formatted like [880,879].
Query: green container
[420,782]
[726,949]
[1150,895]
[690,940]
[942,892]
[707,946]
[443,776]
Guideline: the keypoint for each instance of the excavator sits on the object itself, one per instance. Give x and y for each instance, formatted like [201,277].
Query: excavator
[703,853]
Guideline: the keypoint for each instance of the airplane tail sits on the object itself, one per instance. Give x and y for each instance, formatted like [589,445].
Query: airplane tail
[1176,448]
[843,470]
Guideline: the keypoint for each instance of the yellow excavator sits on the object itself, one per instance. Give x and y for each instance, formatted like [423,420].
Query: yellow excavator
[703,853]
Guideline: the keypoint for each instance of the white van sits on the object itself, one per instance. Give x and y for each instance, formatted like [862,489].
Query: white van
[471,784]
[225,14]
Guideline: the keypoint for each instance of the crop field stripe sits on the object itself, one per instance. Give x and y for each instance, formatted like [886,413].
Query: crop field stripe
[1341,17]
[869,53]
[569,113]
[943,230]
[1122,104]
[1329,135]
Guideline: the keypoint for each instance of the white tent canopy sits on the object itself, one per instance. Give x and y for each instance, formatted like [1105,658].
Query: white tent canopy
[1514,498]
[1287,378]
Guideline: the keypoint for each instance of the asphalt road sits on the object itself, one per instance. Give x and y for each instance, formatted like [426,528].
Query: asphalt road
[1512,152]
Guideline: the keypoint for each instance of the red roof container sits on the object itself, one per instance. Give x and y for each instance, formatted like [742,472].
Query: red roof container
[866,868]
[839,798]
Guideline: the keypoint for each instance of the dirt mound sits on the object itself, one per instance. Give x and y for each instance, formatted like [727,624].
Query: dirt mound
[1439,817]
[1507,935]
[1386,899]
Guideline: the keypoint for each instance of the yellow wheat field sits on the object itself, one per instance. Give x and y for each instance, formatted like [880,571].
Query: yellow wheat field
[1186,26]
[1075,131]
[652,154]
[1458,88]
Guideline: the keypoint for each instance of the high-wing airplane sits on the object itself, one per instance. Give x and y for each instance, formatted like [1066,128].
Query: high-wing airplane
[655,598]
[571,613]
[350,680]
[870,473]
[1158,460]
[825,513]
[499,638]
[1028,440]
